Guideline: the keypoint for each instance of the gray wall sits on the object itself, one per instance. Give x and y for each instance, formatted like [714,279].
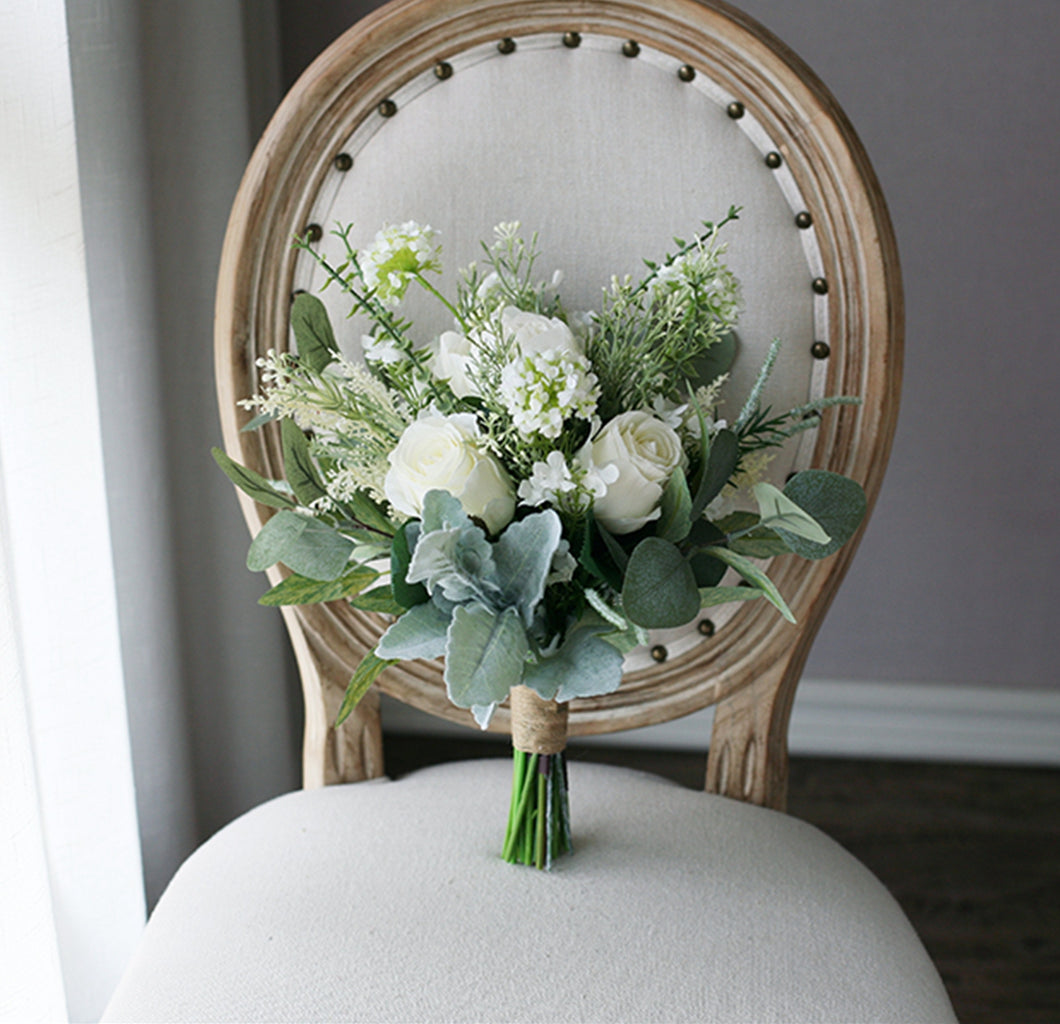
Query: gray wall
[956,102]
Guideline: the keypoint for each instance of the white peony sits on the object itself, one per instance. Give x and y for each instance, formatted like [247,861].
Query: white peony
[645,451]
[442,453]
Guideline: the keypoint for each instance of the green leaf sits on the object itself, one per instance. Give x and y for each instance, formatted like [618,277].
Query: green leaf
[757,542]
[369,513]
[707,571]
[380,599]
[523,559]
[617,553]
[718,359]
[595,562]
[755,576]
[485,655]
[660,589]
[297,589]
[709,597]
[419,633]
[298,464]
[675,519]
[779,512]
[836,502]
[367,672]
[305,545]
[721,463]
[406,594]
[584,666]
[254,484]
[312,331]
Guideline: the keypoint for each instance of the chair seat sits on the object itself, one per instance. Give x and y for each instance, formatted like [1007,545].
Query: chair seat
[387,901]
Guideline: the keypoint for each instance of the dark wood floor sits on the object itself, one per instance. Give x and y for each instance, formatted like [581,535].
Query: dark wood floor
[972,853]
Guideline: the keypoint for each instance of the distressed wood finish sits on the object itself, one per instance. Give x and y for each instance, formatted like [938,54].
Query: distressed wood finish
[751,667]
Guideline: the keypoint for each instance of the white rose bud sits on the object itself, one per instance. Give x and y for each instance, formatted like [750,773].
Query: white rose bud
[452,362]
[645,451]
[441,453]
[534,333]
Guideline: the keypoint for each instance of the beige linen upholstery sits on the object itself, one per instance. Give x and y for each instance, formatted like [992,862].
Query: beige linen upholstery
[387,901]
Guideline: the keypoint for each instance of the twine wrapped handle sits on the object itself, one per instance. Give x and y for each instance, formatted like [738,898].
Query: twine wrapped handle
[538,726]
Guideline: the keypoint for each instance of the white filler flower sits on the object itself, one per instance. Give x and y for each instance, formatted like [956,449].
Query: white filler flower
[442,453]
[645,451]
[398,253]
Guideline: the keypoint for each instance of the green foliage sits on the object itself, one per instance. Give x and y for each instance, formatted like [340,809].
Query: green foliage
[312,332]
[675,519]
[485,655]
[305,545]
[746,536]
[251,483]
[721,455]
[405,594]
[367,672]
[297,589]
[298,464]
[419,633]
[379,599]
[522,558]
[785,517]
[660,588]
[836,502]
[753,575]
[584,666]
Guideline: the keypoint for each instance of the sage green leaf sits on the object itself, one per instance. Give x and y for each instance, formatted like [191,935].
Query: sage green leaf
[755,576]
[595,562]
[709,597]
[835,501]
[754,541]
[419,633]
[779,512]
[368,513]
[367,672]
[675,519]
[721,464]
[485,654]
[660,589]
[707,571]
[258,421]
[584,666]
[312,331]
[523,560]
[379,599]
[251,483]
[406,594]
[305,545]
[297,589]
[718,359]
[441,511]
[298,464]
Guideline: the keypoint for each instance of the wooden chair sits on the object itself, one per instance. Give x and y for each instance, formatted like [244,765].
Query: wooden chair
[609,126]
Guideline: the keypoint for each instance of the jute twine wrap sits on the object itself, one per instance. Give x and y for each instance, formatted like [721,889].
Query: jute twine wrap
[538,726]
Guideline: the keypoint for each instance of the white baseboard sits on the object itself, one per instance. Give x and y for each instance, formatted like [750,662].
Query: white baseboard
[902,721]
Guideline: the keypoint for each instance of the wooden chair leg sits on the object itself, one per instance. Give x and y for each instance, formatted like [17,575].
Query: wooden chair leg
[352,752]
[748,757]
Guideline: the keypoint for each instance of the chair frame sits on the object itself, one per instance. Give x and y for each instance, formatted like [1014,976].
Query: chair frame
[750,669]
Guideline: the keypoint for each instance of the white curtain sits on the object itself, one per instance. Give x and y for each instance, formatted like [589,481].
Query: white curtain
[71,891]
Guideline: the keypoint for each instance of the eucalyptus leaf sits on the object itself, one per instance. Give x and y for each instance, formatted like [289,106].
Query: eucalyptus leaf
[298,464]
[251,483]
[707,571]
[717,359]
[317,347]
[660,589]
[305,545]
[367,672]
[419,633]
[485,654]
[675,519]
[755,576]
[835,501]
[721,463]
[406,594]
[753,540]
[779,512]
[297,589]
[710,597]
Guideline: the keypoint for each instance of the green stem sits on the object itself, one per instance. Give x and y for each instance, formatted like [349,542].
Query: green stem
[427,286]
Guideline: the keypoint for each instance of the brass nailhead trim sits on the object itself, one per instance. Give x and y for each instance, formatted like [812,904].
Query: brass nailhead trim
[506,45]
[735,110]
[803,220]
[820,350]
[686,72]
[820,286]
[773,160]
[443,70]
[313,232]
[572,40]
[659,653]
[631,48]
[705,627]
[343,162]
[388,108]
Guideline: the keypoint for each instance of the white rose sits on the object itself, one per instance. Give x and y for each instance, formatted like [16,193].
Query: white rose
[441,453]
[645,451]
[453,361]
[534,333]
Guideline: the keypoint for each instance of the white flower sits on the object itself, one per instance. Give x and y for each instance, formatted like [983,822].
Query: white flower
[547,481]
[563,564]
[645,452]
[397,254]
[381,350]
[453,361]
[534,333]
[543,389]
[716,287]
[442,453]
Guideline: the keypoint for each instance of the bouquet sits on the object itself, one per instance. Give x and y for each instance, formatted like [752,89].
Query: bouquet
[529,493]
